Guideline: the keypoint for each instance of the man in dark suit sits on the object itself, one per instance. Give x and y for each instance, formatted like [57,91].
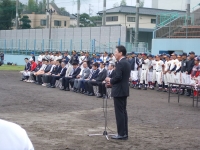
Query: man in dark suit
[66,80]
[100,78]
[101,85]
[93,75]
[59,73]
[120,92]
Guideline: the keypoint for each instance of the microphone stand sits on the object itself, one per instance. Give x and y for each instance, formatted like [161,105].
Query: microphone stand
[105,104]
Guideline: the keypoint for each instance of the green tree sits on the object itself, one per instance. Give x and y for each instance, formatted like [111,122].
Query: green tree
[42,7]
[123,3]
[7,14]
[32,6]
[84,20]
[142,4]
[25,22]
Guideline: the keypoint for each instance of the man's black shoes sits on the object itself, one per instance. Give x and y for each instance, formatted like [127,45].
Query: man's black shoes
[118,137]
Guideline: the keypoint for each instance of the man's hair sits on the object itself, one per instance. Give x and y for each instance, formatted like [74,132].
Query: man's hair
[95,64]
[63,63]
[121,49]
[59,60]
[25,58]
[113,65]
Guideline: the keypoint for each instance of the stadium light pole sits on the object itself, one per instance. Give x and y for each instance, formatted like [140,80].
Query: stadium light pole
[50,12]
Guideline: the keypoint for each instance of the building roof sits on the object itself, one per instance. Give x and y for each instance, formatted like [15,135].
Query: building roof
[62,13]
[72,16]
[143,10]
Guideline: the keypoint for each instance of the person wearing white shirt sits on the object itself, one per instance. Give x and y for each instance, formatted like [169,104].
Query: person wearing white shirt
[153,65]
[159,72]
[13,137]
[144,73]
[166,72]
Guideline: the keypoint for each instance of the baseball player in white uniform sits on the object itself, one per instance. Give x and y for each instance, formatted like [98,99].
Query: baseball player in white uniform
[144,73]
[153,64]
[166,72]
[159,72]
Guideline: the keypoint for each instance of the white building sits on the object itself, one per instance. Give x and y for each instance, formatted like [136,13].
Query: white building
[171,4]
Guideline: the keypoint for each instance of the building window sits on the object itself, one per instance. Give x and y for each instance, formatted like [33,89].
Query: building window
[153,21]
[65,23]
[43,22]
[113,18]
[130,19]
[57,23]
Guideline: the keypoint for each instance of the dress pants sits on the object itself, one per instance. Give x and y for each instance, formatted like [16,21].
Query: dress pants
[82,84]
[46,78]
[120,104]
[39,78]
[102,88]
[77,83]
[53,80]
[86,85]
[65,82]
[71,81]
[32,76]
[90,85]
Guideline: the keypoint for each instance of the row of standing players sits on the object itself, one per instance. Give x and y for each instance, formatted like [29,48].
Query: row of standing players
[147,70]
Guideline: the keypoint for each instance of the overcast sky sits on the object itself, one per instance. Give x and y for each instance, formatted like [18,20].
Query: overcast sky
[97,5]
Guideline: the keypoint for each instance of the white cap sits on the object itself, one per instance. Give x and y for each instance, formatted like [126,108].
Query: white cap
[31,59]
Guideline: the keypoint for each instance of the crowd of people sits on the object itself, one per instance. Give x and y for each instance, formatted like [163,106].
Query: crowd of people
[80,72]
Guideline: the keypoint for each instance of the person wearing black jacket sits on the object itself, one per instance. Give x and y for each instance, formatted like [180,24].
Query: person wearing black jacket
[39,77]
[55,71]
[93,75]
[183,71]
[59,73]
[101,85]
[26,68]
[100,78]
[134,69]
[74,58]
[66,80]
[120,92]
[190,65]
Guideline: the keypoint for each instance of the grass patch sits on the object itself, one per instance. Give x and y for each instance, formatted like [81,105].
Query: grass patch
[11,68]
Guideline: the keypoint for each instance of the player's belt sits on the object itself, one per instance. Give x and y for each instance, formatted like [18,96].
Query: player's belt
[158,71]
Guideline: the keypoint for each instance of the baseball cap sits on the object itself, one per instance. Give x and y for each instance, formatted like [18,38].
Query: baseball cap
[197,58]
[31,59]
[144,54]
[192,52]
[184,54]
[173,54]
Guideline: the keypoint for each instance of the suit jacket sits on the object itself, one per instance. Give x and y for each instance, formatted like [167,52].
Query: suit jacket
[57,70]
[68,70]
[63,72]
[134,61]
[95,74]
[120,81]
[112,74]
[76,72]
[102,75]
[85,73]
[48,68]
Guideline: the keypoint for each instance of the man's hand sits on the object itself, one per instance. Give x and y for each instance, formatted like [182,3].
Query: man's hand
[186,72]
[93,80]
[107,80]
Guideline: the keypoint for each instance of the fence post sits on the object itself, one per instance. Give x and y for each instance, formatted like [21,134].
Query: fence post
[119,42]
[26,46]
[70,45]
[43,45]
[91,45]
[19,47]
[81,45]
[5,47]
[94,46]
[61,45]
[51,45]
[12,45]
[34,45]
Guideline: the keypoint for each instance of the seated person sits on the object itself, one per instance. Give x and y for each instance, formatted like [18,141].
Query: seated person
[83,75]
[40,74]
[27,68]
[93,75]
[66,80]
[100,78]
[32,76]
[28,73]
[101,85]
[58,75]
[54,70]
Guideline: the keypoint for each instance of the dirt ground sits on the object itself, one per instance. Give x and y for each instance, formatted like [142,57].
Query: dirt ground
[57,120]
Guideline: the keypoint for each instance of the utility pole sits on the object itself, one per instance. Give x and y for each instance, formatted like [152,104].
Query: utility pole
[47,8]
[50,12]
[16,21]
[90,9]
[78,12]
[188,16]
[137,23]
[104,13]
